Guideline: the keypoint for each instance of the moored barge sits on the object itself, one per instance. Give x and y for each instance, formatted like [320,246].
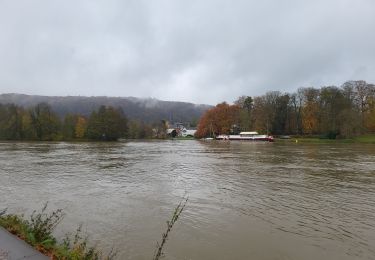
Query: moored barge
[246,136]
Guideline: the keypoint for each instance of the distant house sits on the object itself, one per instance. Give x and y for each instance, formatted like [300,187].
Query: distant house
[178,129]
[188,132]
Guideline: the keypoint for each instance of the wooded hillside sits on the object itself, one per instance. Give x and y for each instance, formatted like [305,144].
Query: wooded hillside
[145,110]
[329,112]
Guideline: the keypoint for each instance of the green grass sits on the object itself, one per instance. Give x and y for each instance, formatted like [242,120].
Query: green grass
[369,139]
[184,138]
[317,140]
[37,231]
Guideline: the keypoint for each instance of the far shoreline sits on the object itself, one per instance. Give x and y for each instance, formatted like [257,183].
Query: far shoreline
[361,139]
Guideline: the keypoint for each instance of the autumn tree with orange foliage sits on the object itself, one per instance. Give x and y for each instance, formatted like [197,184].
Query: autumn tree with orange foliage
[310,111]
[370,116]
[80,127]
[329,112]
[222,119]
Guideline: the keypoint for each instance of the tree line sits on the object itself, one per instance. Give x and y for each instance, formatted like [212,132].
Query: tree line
[41,123]
[330,111]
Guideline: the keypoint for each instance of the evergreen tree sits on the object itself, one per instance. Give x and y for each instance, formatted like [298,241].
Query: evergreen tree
[107,124]
[45,122]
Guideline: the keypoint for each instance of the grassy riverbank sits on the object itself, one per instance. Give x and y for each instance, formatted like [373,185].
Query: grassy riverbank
[37,231]
[364,139]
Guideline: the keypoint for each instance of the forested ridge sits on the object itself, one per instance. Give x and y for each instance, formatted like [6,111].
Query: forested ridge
[30,117]
[330,112]
[147,110]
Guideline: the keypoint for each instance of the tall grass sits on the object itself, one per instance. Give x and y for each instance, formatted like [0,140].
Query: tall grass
[176,214]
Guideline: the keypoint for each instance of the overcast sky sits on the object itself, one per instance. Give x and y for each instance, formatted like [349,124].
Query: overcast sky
[202,51]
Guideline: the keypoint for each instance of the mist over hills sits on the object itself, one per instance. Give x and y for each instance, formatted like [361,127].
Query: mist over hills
[144,109]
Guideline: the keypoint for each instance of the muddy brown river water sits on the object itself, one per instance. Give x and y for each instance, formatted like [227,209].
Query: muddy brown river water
[246,200]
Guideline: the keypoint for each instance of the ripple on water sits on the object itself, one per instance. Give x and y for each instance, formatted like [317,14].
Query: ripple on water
[281,200]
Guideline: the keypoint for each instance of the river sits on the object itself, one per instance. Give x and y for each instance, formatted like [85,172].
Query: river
[246,200]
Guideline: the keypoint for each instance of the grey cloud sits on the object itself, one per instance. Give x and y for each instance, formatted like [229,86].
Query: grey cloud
[199,51]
